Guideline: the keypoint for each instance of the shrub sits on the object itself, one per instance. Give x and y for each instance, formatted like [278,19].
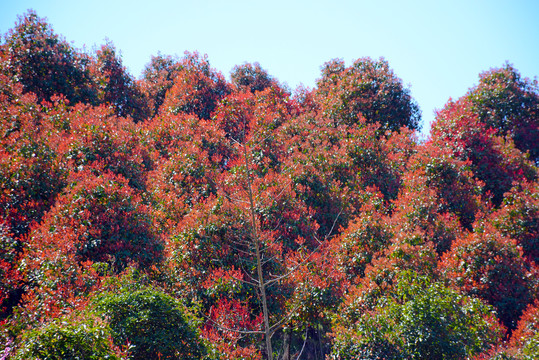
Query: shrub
[70,337]
[152,322]
[414,319]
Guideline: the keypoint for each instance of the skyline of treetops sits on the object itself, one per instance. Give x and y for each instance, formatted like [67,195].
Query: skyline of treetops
[189,215]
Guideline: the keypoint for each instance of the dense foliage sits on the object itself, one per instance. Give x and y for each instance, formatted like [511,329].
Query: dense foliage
[186,216]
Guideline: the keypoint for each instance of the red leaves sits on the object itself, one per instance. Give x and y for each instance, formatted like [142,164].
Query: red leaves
[196,89]
[491,266]
[97,218]
[518,218]
[493,159]
[328,193]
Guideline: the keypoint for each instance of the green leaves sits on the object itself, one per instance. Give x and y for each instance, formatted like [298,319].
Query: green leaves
[152,322]
[417,318]
[72,337]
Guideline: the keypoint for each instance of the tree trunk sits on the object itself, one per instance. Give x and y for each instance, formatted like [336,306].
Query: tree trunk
[256,240]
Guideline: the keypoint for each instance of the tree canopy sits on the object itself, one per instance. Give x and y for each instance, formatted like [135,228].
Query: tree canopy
[186,215]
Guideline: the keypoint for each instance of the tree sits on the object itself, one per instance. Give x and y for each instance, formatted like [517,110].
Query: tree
[197,88]
[98,218]
[95,135]
[435,175]
[491,266]
[193,154]
[494,160]
[518,218]
[366,235]
[74,336]
[152,322]
[509,104]
[525,338]
[11,278]
[45,63]
[157,78]
[368,89]
[416,318]
[116,87]
[236,249]
[251,77]
[31,174]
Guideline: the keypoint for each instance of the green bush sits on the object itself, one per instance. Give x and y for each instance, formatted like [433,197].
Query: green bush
[153,323]
[417,319]
[68,338]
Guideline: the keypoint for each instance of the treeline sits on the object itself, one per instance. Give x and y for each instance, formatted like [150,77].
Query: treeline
[186,216]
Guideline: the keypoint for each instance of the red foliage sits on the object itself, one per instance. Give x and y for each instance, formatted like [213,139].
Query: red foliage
[527,327]
[30,171]
[419,216]
[158,76]
[96,135]
[456,190]
[493,160]
[196,89]
[226,322]
[491,266]
[518,218]
[97,218]
[193,153]
[366,235]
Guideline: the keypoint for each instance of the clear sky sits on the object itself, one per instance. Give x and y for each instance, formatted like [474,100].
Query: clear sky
[438,47]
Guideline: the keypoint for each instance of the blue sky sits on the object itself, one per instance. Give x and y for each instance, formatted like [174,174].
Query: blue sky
[437,47]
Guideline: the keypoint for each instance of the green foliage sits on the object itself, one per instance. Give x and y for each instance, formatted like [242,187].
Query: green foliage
[116,87]
[69,338]
[417,319]
[509,104]
[367,89]
[45,63]
[251,77]
[152,322]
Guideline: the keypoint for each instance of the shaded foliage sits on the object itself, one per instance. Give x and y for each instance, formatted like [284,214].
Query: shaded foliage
[368,88]
[115,87]
[508,103]
[45,63]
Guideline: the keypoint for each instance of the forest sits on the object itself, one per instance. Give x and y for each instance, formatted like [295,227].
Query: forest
[187,215]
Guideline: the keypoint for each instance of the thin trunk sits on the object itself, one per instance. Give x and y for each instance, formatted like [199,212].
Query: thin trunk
[256,240]
[286,345]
